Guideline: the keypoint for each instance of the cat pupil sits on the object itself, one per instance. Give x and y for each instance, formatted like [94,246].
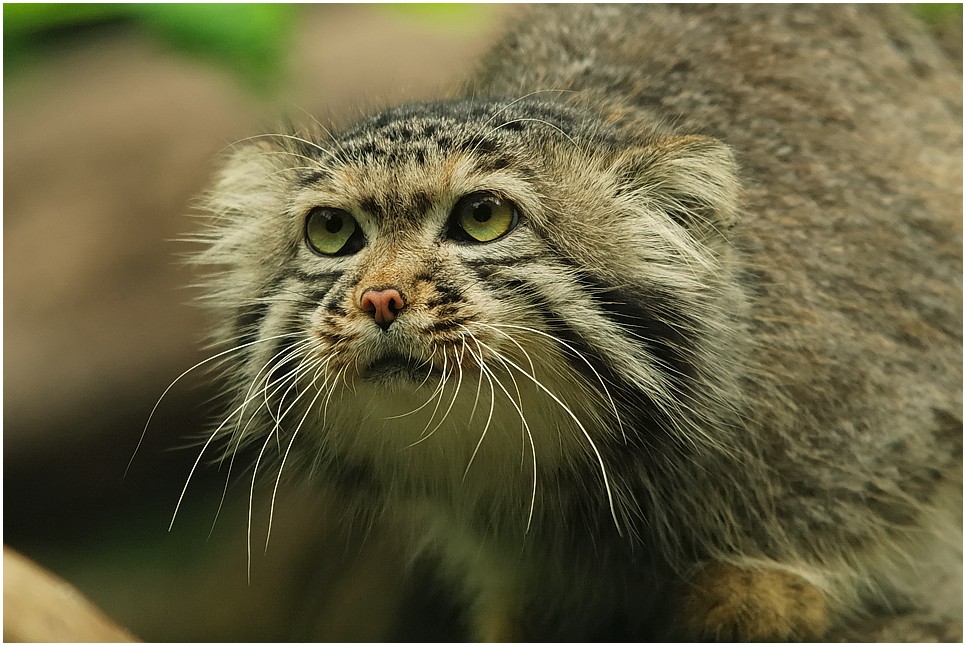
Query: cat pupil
[482,213]
[333,224]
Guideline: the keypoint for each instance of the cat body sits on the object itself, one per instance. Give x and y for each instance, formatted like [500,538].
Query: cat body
[643,333]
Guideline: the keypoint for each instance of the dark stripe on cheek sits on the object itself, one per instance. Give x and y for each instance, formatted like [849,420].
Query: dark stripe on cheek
[487,271]
[283,362]
[650,318]
[655,321]
[640,415]
[327,277]
[637,408]
[336,308]
[496,262]
[449,324]
[249,322]
[250,317]
[334,301]
[313,297]
[311,289]
[445,294]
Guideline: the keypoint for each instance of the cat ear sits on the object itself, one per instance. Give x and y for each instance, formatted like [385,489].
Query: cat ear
[692,179]
[248,181]
[245,207]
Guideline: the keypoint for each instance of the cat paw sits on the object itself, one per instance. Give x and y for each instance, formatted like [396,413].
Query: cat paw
[727,603]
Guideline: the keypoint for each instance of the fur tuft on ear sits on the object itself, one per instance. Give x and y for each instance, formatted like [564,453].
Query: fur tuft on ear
[245,203]
[248,181]
[691,178]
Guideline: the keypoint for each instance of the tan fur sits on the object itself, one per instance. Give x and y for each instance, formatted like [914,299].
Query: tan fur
[730,603]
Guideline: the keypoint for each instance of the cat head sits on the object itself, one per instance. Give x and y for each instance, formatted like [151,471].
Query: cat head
[469,278]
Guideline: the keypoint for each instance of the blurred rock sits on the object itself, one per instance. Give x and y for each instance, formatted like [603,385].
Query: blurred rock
[39,607]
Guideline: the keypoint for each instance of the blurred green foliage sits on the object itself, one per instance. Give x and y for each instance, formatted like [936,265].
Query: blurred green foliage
[936,14]
[252,38]
[445,15]
[248,39]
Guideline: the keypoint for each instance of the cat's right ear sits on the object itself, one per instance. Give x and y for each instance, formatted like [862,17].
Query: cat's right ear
[692,179]
[250,181]
[245,206]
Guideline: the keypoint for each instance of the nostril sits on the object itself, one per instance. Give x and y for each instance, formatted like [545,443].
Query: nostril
[383,305]
[395,302]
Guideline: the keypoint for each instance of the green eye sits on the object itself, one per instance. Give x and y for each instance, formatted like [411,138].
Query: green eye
[332,232]
[482,217]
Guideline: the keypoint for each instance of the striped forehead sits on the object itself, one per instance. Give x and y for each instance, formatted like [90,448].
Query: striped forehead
[492,133]
[394,207]
[402,183]
[397,166]
[428,144]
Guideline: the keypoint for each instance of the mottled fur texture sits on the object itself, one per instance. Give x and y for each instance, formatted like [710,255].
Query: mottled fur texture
[710,384]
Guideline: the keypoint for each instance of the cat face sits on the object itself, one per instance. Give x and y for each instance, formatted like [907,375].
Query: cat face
[466,281]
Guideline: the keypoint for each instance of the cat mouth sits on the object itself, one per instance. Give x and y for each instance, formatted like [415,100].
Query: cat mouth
[396,367]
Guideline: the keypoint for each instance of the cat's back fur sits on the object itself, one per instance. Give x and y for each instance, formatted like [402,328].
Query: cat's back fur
[846,123]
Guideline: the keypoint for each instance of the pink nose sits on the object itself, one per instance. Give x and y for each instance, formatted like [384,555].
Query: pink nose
[383,304]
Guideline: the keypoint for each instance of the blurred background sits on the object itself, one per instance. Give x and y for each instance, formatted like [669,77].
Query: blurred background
[114,116]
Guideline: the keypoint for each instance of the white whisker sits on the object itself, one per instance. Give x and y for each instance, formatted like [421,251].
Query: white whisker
[220,355]
[238,410]
[240,432]
[593,445]
[479,132]
[456,392]
[438,396]
[576,353]
[421,384]
[283,135]
[523,419]
[288,449]
[489,417]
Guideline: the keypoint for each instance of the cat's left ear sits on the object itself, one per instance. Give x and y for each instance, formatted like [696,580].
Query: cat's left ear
[692,179]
